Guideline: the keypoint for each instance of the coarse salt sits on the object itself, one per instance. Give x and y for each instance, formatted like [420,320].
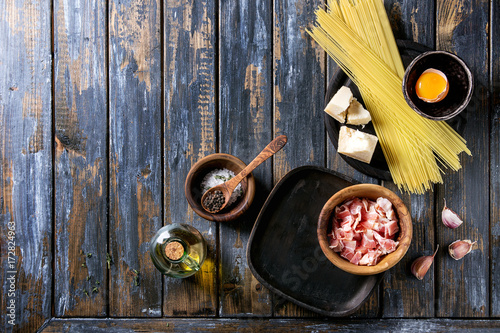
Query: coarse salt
[217,177]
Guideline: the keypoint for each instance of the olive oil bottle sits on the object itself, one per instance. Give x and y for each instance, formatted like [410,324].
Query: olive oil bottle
[178,250]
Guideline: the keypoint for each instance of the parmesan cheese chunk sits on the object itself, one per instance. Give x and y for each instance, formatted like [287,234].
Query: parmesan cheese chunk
[357,114]
[337,107]
[356,144]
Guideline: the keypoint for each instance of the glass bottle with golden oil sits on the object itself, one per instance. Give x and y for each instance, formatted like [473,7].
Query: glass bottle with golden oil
[178,250]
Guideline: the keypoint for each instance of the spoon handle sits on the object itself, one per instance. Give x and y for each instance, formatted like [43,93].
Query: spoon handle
[272,148]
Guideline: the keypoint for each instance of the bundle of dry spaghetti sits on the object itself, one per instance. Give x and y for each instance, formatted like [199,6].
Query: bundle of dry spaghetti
[357,35]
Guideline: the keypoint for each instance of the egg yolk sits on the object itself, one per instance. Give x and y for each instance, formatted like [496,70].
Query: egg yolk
[430,86]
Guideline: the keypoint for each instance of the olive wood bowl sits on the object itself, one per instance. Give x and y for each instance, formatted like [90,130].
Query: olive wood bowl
[193,191]
[371,192]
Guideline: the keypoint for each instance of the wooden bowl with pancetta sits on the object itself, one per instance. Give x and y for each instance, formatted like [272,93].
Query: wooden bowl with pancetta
[364,229]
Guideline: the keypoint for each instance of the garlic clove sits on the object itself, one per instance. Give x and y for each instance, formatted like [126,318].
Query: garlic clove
[421,265]
[450,218]
[459,248]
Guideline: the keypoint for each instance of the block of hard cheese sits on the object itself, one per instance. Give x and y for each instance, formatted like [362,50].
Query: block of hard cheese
[356,144]
[337,107]
[357,114]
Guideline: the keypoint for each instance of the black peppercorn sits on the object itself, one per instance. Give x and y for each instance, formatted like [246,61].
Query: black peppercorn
[214,201]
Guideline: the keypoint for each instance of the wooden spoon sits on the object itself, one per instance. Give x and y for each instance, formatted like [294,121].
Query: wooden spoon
[228,187]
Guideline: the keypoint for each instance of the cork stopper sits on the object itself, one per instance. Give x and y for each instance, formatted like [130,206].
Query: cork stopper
[174,250]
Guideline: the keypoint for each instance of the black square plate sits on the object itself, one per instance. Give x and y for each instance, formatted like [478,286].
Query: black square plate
[284,254]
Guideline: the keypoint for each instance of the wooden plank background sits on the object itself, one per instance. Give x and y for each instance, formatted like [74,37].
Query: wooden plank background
[190,127]
[106,104]
[26,186]
[267,325]
[494,81]
[245,117]
[135,127]
[299,84]
[462,289]
[81,168]
[403,295]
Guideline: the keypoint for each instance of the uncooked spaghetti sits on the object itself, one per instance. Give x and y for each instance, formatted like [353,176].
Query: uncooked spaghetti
[357,35]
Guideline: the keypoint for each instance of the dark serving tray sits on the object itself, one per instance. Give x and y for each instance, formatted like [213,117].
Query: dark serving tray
[378,166]
[283,252]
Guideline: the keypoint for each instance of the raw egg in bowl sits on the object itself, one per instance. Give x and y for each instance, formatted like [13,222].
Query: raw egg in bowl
[438,85]
[432,86]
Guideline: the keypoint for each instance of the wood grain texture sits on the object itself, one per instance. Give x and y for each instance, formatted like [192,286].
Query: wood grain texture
[413,20]
[335,162]
[80,158]
[190,134]
[403,294]
[25,165]
[268,325]
[245,128]
[463,285]
[135,156]
[495,157]
[299,85]
[55,165]
[371,308]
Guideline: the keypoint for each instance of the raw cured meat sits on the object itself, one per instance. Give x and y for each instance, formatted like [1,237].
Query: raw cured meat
[363,230]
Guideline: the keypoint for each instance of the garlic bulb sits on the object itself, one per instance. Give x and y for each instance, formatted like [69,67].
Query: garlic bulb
[459,248]
[421,265]
[450,218]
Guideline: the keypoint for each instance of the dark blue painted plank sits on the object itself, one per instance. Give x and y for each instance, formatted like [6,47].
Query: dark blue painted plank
[80,158]
[190,134]
[246,106]
[25,165]
[299,85]
[463,285]
[135,192]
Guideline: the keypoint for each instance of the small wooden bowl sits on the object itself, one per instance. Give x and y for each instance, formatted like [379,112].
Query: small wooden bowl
[459,78]
[371,192]
[200,169]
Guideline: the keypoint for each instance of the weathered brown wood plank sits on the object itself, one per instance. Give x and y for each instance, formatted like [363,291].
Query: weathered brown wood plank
[335,162]
[25,165]
[413,20]
[463,286]
[495,157]
[135,156]
[371,307]
[245,128]
[299,85]
[80,158]
[403,294]
[267,325]
[190,134]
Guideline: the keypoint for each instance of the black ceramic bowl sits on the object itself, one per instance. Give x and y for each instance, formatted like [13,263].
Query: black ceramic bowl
[459,78]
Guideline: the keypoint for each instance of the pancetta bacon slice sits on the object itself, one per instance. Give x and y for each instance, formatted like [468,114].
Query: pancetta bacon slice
[363,230]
